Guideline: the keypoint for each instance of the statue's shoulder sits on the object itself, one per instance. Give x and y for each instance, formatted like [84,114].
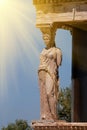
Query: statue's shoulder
[58,49]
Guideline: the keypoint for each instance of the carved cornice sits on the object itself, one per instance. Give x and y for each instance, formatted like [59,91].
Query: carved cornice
[55,1]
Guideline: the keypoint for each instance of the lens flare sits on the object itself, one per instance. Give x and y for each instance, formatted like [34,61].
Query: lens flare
[16,38]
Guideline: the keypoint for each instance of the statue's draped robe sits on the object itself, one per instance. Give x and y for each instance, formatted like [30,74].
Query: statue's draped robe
[50,59]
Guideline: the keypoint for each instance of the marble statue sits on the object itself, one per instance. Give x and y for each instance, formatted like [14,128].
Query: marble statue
[48,76]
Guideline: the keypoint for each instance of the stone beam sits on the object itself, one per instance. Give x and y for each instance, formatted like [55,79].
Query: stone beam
[70,13]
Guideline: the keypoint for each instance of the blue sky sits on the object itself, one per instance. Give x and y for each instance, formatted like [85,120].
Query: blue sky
[19,91]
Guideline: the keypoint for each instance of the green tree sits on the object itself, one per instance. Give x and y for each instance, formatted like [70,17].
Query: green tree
[11,126]
[18,125]
[21,125]
[3,128]
[64,104]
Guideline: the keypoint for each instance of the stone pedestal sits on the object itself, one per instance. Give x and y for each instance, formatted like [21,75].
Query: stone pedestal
[58,125]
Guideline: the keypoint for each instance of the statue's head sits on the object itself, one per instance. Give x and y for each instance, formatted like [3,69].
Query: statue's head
[49,40]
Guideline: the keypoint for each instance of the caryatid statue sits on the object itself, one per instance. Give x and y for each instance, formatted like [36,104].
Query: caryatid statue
[48,75]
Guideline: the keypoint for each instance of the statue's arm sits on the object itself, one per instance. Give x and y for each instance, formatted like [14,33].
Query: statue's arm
[59,57]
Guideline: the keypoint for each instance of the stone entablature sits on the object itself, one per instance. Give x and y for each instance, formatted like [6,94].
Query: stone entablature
[56,1]
[66,13]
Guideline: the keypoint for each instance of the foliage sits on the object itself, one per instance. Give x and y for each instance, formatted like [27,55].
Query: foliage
[64,104]
[18,125]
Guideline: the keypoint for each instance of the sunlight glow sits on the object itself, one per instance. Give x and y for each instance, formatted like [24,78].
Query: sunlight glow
[16,38]
[2,2]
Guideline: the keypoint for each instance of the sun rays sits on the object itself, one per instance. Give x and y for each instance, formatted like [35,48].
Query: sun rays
[16,37]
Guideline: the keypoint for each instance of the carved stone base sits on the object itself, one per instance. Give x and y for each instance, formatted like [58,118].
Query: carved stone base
[58,125]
